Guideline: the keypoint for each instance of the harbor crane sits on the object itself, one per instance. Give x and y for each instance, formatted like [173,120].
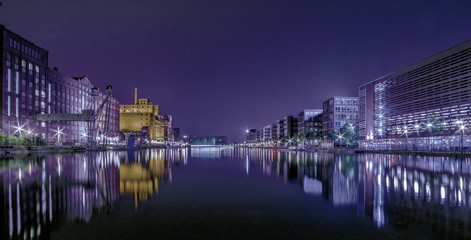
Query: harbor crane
[90,116]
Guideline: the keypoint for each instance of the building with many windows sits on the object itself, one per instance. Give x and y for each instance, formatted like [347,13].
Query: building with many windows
[337,111]
[280,128]
[30,87]
[306,123]
[424,106]
[291,126]
[267,133]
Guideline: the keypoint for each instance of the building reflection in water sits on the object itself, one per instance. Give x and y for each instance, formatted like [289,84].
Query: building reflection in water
[394,190]
[216,152]
[39,192]
[140,171]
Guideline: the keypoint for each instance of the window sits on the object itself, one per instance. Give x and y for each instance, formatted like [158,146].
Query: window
[17,82]
[17,107]
[9,107]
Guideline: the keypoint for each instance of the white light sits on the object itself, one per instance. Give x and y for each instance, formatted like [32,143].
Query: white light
[416,126]
[416,187]
[429,124]
[442,192]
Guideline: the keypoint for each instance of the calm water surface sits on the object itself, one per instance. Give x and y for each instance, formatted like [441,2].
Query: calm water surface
[210,193]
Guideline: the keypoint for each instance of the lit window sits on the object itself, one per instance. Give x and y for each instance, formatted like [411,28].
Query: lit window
[17,82]
[9,107]
[17,108]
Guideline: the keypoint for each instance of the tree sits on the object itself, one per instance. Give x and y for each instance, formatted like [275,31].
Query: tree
[302,138]
[39,140]
[13,140]
[24,140]
[3,138]
[349,134]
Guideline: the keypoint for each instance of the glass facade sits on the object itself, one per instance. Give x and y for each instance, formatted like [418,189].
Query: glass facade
[424,106]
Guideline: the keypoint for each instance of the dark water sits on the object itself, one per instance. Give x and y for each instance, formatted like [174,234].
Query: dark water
[210,193]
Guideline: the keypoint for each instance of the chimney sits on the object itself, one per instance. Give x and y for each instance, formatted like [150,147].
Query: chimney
[135,96]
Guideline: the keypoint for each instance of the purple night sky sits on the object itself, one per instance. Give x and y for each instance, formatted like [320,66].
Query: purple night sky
[221,67]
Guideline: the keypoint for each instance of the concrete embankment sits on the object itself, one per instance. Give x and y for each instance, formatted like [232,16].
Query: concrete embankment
[360,151]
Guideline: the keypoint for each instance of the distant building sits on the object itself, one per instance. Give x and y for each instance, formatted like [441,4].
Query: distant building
[337,111]
[274,131]
[209,141]
[267,133]
[164,127]
[424,106]
[176,134]
[280,128]
[259,135]
[250,135]
[291,126]
[306,123]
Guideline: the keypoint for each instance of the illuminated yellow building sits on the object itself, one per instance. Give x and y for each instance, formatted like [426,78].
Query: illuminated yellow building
[143,118]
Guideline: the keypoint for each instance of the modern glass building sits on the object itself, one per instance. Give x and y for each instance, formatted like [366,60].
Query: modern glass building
[425,106]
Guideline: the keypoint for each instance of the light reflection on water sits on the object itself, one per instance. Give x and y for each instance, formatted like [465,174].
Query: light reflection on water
[389,189]
[39,192]
[42,190]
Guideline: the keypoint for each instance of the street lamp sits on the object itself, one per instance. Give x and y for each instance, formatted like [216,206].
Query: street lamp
[58,133]
[340,137]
